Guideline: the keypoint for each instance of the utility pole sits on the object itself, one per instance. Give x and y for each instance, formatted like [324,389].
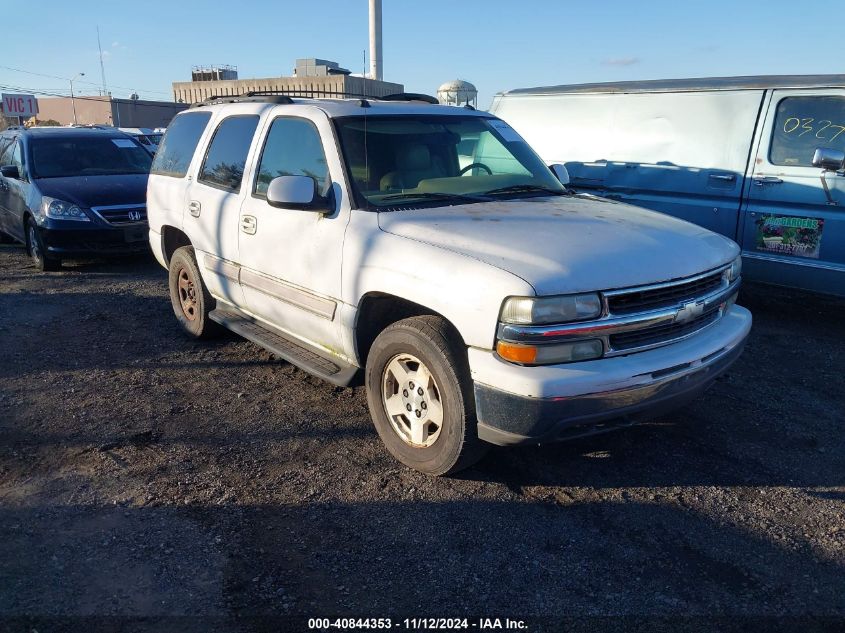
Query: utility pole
[72,100]
[102,66]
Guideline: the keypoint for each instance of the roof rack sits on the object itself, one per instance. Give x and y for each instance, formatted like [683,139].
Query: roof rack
[286,97]
[245,98]
[308,94]
[409,96]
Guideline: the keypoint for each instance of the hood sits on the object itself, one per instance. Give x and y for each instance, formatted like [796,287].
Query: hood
[95,191]
[568,244]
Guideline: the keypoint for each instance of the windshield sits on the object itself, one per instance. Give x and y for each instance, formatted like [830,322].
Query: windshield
[402,161]
[88,156]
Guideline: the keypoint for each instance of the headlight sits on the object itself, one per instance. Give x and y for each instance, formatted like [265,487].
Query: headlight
[550,354]
[542,310]
[735,270]
[61,210]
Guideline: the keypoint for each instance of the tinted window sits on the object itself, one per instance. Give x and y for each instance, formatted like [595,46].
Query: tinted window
[804,124]
[177,148]
[226,158]
[293,148]
[59,157]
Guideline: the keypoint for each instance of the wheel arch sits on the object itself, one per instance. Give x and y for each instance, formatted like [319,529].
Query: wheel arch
[378,310]
[171,239]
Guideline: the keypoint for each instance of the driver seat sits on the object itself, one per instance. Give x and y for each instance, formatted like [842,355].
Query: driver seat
[414,163]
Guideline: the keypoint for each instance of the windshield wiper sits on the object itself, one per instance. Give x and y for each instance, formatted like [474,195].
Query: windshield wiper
[433,195]
[524,189]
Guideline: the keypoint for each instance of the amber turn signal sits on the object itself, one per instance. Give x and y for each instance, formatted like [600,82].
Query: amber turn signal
[524,354]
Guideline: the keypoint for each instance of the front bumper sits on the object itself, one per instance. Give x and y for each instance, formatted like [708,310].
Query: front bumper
[518,405]
[95,241]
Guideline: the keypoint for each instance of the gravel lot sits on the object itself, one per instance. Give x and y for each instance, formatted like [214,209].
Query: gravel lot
[144,474]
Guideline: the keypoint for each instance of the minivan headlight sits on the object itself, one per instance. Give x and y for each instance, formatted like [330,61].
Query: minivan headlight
[735,270]
[61,210]
[558,309]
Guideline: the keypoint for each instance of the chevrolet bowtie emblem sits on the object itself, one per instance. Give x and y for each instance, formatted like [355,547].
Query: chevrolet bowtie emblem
[689,312]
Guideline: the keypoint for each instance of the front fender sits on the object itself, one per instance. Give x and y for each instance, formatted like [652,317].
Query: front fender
[465,291]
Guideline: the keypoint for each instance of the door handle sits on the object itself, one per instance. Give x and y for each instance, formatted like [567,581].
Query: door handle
[767,180]
[249,224]
[725,177]
[194,208]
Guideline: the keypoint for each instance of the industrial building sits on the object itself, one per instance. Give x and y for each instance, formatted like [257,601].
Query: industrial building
[312,78]
[108,111]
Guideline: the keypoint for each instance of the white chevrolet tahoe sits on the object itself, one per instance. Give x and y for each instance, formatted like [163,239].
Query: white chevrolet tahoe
[431,249]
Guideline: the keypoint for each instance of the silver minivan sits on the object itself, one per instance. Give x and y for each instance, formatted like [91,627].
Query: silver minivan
[757,159]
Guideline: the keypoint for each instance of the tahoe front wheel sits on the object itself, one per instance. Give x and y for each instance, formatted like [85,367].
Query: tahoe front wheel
[420,396]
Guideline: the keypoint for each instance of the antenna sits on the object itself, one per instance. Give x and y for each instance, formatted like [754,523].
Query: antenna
[102,66]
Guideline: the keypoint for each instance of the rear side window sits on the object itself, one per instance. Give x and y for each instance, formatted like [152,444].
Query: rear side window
[174,155]
[226,157]
[804,124]
[293,148]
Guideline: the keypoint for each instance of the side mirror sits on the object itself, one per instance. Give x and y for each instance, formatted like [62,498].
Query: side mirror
[829,159]
[10,171]
[296,192]
[561,172]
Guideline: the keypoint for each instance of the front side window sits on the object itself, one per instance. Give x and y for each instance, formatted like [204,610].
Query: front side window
[17,157]
[179,143]
[804,124]
[62,157]
[5,151]
[226,157]
[437,160]
[293,148]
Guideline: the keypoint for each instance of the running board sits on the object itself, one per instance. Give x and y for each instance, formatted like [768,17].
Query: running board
[296,353]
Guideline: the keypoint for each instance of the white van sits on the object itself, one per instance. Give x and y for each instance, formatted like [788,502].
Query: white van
[757,159]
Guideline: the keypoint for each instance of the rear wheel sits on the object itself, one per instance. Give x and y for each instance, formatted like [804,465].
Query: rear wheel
[37,251]
[189,297]
[420,396]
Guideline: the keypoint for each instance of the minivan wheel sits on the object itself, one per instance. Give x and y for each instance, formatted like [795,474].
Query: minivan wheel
[37,252]
[420,396]
[189,297]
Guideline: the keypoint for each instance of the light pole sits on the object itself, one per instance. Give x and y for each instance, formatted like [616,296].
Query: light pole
[72,101]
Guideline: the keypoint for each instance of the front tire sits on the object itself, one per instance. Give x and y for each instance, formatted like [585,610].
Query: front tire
[420,396]
[37,251]
[189,297]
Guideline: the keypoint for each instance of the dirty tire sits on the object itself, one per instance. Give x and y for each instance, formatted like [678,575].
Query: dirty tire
[435,343]
[36,250]
[189,297]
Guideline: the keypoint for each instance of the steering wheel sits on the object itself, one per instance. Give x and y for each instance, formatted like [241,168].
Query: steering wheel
[471,165]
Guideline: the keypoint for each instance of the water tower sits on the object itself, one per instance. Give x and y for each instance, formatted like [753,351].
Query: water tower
[457,93]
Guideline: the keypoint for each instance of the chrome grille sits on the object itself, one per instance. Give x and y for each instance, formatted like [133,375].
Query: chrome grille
[122,214]
[640,318]
[661,334]
[663,295]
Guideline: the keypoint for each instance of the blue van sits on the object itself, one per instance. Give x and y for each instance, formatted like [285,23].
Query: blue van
[758,159]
